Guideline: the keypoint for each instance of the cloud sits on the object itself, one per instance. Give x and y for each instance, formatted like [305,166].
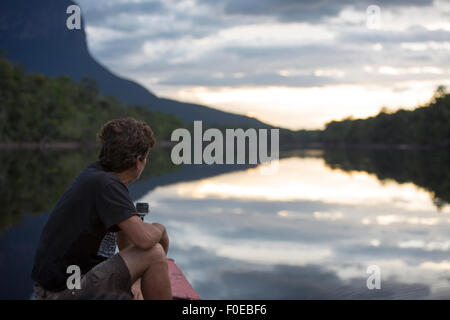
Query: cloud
[311,282]
[224,278]
[264,79]
[174,47]
[311,11]
[414,33]
[267,248]
[99,12]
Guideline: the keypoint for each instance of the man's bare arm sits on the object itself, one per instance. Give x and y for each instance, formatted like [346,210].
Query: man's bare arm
[123,241]
[164,238]
[142,235]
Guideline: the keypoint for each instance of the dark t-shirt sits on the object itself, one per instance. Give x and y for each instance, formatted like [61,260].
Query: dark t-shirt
[94,203]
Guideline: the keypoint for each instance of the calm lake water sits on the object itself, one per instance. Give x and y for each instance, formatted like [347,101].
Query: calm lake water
[308,231]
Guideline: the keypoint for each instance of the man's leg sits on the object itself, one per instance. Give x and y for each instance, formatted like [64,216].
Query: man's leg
[152,267]
[165,241]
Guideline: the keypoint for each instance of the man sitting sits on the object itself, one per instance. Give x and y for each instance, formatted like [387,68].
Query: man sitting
[98,203]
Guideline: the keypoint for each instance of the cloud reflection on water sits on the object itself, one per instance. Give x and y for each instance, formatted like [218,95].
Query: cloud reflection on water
[306,232]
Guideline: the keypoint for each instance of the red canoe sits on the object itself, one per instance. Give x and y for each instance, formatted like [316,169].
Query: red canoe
[181,288]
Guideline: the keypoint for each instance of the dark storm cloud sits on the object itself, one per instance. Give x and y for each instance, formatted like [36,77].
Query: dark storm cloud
[287,10]
[303,10]
[106,14]
[98,14]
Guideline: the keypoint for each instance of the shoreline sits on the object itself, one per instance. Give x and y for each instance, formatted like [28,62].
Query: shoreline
[373,146]
[64,145]
[283,146]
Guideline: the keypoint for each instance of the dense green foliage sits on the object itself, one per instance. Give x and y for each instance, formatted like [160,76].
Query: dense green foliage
[426,125]
[35,108]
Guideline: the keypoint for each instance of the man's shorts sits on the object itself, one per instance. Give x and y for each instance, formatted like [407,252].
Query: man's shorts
[109,280]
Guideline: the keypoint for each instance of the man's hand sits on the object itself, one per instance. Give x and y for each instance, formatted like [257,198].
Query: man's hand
[142,235]
[157,230]
[164,238]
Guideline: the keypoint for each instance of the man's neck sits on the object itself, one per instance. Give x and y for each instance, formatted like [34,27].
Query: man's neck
[124,176]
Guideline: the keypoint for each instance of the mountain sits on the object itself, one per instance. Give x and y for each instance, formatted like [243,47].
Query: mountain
[34,34]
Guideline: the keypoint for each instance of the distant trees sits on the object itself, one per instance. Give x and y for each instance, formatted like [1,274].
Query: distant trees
[290,138]
[426,125]
[429,170]
[35,108]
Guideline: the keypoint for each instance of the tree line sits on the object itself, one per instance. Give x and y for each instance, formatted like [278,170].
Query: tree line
[36,108]
[425,125]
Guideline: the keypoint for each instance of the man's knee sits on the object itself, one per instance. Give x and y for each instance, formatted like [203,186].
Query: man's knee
[138,260]
[155,254]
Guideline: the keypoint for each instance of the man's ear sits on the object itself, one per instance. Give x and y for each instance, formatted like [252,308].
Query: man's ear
[138,159]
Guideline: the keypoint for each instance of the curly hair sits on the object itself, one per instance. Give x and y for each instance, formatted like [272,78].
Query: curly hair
[123,140]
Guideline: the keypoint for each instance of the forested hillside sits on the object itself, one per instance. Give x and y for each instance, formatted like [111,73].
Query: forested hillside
[35,108]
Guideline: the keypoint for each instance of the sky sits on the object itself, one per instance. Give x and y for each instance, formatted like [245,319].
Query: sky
[291,63]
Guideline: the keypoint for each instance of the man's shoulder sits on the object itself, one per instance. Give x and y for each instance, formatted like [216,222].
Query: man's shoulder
[95,173]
